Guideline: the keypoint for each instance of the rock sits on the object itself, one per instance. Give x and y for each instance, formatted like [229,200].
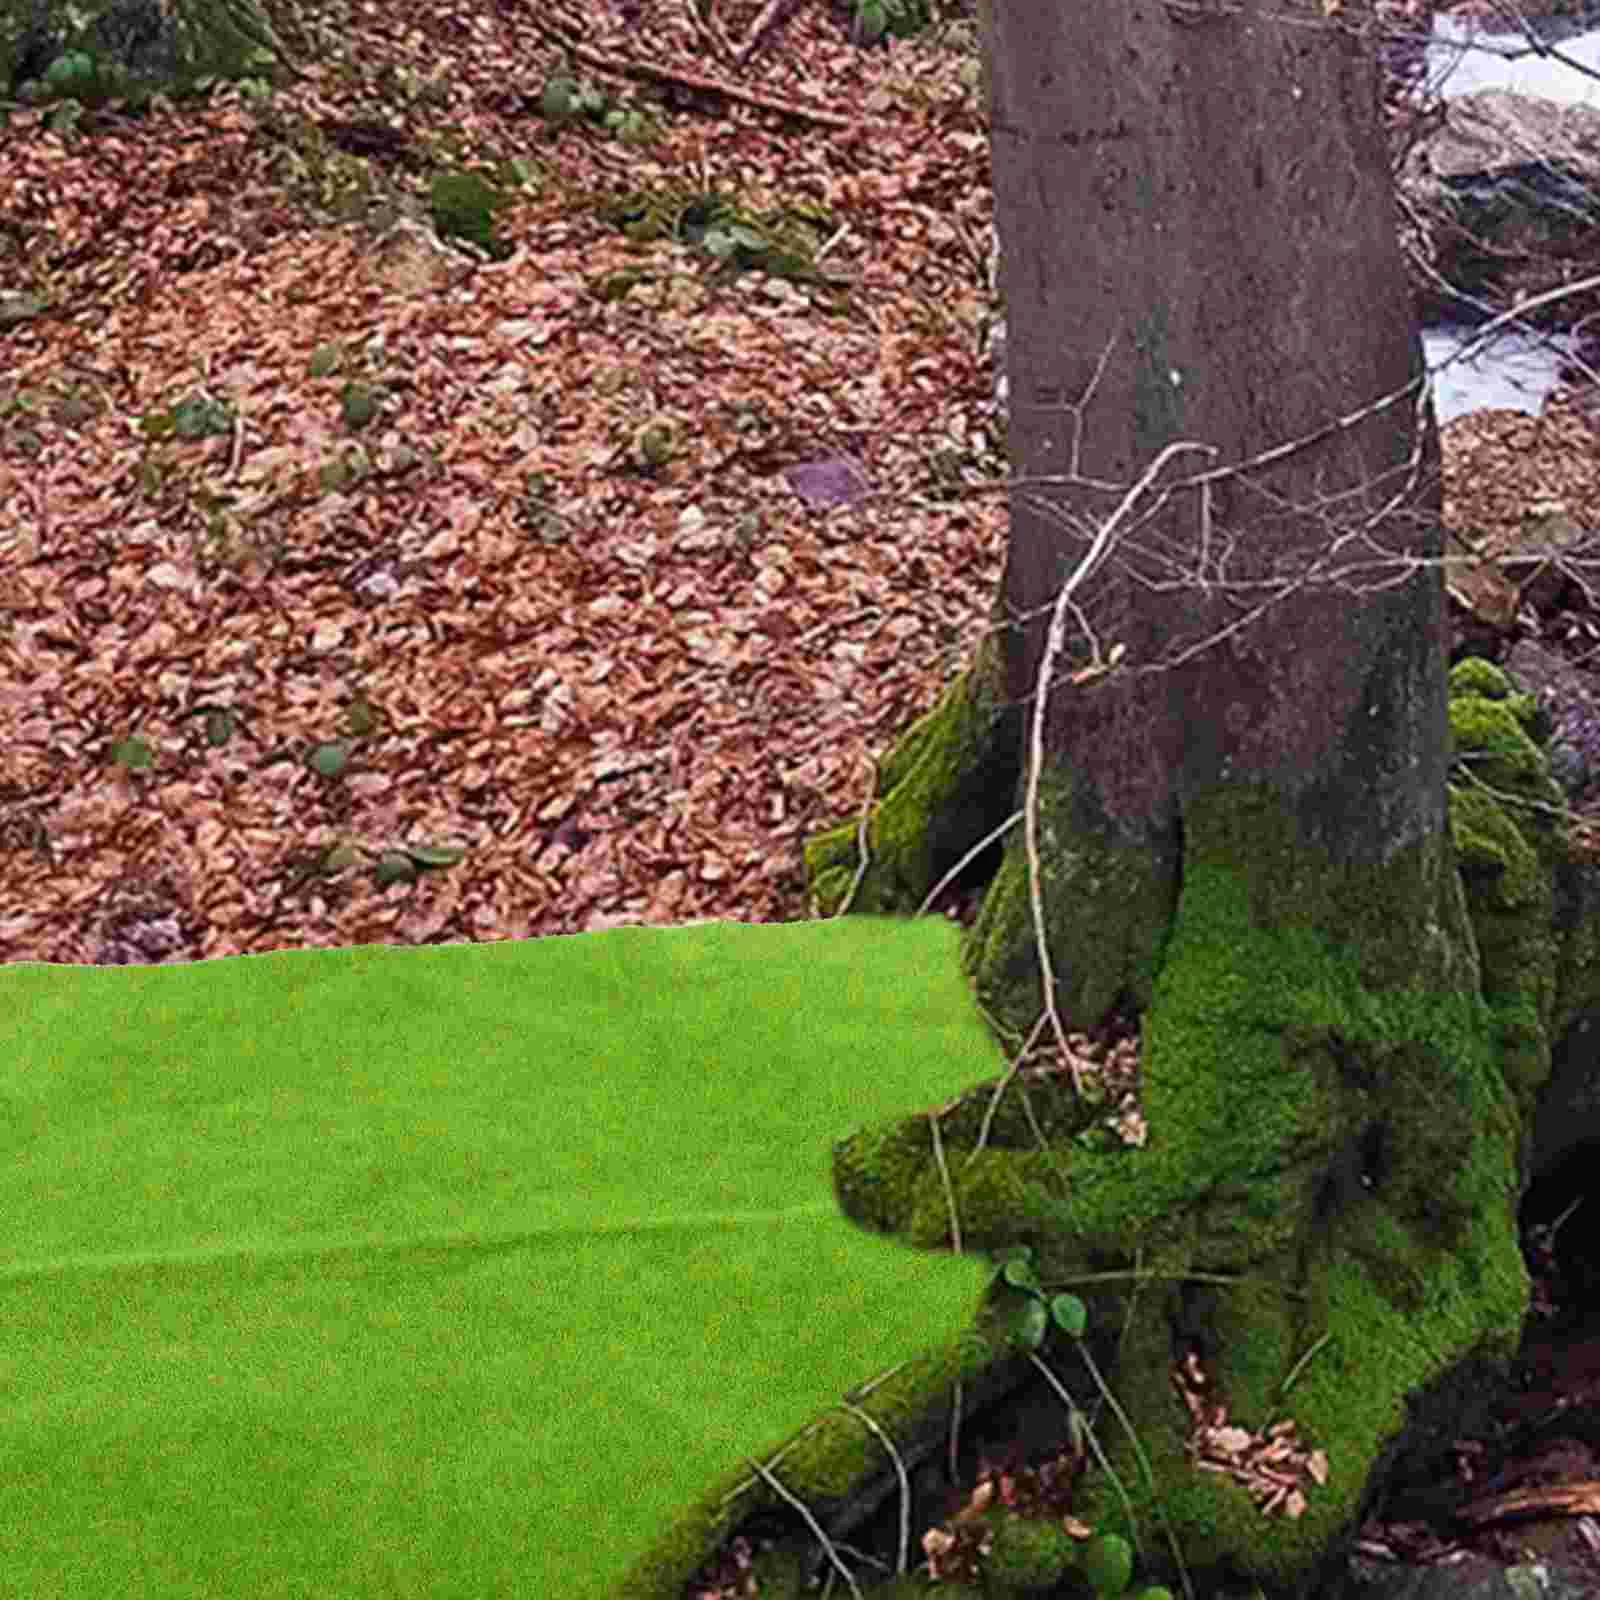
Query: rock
[1501,199]
[1467,1580]
[1569,699]
[1568,1117]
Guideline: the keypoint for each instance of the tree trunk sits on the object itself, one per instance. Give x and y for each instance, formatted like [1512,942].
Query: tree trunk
[1238,811]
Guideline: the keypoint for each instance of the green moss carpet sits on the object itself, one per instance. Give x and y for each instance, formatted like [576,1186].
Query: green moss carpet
[453,1271]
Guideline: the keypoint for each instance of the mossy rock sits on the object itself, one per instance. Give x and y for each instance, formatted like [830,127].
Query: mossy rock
[464,205]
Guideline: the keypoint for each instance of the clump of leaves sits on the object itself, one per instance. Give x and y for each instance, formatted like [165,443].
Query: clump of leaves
[564,99]
[875,18]
[1017,1526]
[782,243]
[79,75]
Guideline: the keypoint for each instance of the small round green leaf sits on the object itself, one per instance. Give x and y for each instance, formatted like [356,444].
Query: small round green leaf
[1108,1564]
[1020,1274]
[394,866]
[431,855]
[329,759]
[358,402]
[134,753]
[197,416]
[361,717]
[325,359]
[559,99]
[1069,1314]
[871,21]
[1031,1324]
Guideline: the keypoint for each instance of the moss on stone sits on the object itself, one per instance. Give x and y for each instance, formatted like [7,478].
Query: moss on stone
[993,1192]
[875,1172]
[1314,1028]
[917,1588]
[1028,1555]
[1337,1062]
[1475,676]
[1283,1049]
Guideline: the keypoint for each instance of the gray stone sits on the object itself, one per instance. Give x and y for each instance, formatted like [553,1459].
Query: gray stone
[1568,698]
[1498,199]
[1473,1579]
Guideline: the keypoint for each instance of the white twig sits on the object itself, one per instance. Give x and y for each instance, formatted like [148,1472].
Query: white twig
[1054,644]
[977,850]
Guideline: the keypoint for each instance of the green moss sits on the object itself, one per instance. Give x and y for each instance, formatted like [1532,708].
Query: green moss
[1028,1555]
[822,1463]
[875,1170]
[1475,676]
[1106,911]
[1493,741]
[1508,825]
[464,205]
[1289,1048]
[918,1588]
[1312,1024]
[946,785]
[1336,1063]
[993,1192]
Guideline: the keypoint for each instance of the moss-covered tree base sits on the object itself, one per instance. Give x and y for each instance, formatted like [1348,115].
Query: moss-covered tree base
[1338,1062]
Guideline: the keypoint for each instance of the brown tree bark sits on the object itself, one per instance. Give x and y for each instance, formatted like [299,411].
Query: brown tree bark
[1236,829]
[1195,204]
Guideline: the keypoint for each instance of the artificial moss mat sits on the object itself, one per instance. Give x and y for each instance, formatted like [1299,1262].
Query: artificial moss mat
[446,1271]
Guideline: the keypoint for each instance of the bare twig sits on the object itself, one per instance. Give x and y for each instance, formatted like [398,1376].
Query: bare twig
[619,67]
[771,14]
[944,1173]
[864,856]
[772,1481]
[900,1472]
[1054,644]
[971,855]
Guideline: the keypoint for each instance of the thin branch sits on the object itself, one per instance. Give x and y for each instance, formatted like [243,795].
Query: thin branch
[949,1191]
[861,842]
[811,1522]
[900,1472]
[971,855]
[1053,646]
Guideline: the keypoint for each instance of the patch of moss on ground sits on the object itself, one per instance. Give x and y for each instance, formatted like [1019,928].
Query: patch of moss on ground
[464,205]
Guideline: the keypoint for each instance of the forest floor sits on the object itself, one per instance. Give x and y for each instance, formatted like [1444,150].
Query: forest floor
[639,563]
[622,689]
[642,559]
